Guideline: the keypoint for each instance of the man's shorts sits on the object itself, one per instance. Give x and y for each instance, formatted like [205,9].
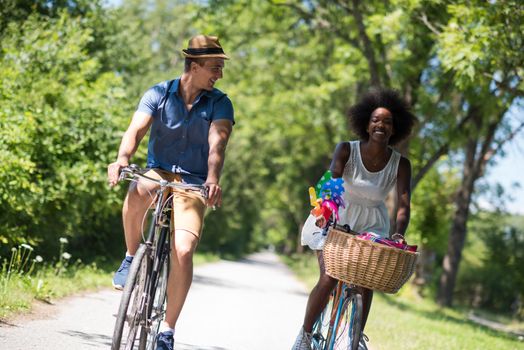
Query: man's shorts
[189,207]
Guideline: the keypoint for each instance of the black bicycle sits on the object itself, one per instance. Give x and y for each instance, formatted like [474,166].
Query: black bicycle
[142,306]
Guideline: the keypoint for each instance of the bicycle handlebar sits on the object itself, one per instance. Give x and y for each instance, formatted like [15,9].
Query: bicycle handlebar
[345,228]
[133,171]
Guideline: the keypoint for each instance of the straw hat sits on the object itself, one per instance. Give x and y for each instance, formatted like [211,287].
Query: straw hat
[204,46]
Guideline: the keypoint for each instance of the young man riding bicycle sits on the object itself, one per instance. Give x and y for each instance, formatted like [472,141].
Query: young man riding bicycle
[190,122]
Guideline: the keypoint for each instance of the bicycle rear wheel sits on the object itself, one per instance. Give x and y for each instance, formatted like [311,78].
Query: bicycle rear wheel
[348,332]
[130,312]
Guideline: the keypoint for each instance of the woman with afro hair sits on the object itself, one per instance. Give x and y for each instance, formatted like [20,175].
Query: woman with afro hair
[370,168]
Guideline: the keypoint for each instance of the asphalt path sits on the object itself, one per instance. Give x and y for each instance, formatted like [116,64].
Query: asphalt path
[252,304]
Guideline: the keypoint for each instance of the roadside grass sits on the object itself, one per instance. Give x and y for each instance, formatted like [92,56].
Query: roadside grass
[24,278]
[405,320]
[18,293]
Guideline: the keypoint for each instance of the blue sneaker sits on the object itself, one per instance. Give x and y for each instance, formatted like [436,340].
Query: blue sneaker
[165,341]
[120,277]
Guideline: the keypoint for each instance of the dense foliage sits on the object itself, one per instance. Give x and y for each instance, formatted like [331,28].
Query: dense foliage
[60,115]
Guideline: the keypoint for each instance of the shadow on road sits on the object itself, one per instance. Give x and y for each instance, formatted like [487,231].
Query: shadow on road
[263,263]
[199,279]
[206,280]
[90,338]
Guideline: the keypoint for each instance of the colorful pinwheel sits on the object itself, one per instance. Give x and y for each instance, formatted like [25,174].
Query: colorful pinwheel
[326,197]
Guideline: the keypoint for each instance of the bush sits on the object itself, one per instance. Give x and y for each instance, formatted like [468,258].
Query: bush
[496,280]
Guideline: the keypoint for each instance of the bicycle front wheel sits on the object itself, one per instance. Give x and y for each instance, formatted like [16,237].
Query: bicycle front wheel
[349,330]
[131,310]
[156,296]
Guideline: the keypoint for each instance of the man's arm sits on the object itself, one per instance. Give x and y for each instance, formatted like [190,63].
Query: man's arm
[134,134]
[403,195]
[219,133]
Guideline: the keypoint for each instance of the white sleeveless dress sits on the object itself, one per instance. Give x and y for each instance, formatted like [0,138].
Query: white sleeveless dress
[364,194]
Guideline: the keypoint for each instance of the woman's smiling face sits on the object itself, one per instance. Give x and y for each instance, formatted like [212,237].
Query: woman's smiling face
[380,126]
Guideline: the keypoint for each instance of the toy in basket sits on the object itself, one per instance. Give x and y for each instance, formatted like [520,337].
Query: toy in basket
[364,259]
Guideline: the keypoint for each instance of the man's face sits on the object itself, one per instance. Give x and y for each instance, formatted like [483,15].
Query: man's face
[206,75]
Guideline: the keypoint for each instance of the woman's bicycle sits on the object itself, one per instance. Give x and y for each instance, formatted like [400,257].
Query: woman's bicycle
[357,263]
[142,306]
[339,326]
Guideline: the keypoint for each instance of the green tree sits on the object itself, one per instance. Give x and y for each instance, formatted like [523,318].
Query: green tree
[479,45]
[492,278]
[59,109]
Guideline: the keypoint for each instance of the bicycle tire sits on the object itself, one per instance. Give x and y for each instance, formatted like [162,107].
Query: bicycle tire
[348,333]
[157,294]
[340,323]
[355,319]
[129,311]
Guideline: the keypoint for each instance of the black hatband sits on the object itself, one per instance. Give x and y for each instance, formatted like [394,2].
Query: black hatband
[204,51]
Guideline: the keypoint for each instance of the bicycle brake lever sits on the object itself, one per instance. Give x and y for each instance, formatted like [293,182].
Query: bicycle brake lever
[121,176]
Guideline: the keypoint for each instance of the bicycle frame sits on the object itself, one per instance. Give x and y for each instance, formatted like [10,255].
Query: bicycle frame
[156,247]
[334,324]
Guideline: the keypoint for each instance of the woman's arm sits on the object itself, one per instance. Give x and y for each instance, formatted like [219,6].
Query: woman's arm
[403,195]
[340,158]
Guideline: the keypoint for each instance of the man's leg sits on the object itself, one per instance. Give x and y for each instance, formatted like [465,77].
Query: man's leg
[180,275]
[137,201]
[188,217]
[317,301]
[319,296]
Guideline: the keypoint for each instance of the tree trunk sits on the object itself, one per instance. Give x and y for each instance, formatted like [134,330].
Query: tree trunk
[367,46]
[477,153]
[457,236]
[455,245]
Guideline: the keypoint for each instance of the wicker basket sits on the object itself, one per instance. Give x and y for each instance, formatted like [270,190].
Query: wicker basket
[366,263]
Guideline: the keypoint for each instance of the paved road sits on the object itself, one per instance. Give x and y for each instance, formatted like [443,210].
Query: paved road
[252,304]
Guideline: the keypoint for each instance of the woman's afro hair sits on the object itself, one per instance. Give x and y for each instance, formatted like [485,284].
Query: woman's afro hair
[360,114]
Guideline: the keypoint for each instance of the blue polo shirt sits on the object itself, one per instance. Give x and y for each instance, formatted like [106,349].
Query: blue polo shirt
[178,140]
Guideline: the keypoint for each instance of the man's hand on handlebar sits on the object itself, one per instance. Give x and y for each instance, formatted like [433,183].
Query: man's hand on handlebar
[214,194]
[113,171]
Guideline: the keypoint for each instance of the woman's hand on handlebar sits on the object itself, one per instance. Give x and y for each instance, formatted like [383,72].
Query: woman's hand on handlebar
[321,221]
[398,237]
